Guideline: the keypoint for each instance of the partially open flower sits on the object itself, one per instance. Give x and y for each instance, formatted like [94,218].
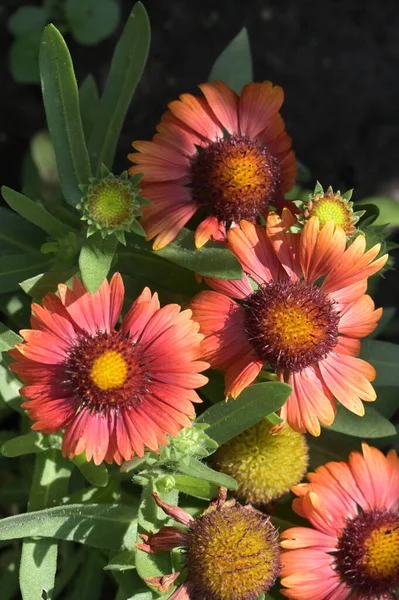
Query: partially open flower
[353,549]
[231,552]
[111,205]
[330,206]
[265,466]
[114,391]
[228,155]
[303,309]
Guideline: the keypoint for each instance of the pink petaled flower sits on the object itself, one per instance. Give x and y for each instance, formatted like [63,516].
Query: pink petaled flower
[353,549]
[303,308]
[114,391]
[226,155]
[231,552]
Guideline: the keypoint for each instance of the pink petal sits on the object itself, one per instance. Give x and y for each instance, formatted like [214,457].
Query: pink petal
[224,103]
[258,103]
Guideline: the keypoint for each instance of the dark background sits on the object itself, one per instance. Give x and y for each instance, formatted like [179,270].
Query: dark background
[338,62]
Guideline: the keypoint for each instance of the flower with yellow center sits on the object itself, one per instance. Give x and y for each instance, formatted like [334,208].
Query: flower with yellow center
[115,390]
[111,205]
[330,206]
[265,466]
[353,547]
[231,552]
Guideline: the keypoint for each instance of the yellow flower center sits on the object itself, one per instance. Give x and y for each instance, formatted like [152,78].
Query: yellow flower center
[332,207]
[265,466]
[367,555]
[291,325]
[294,327]
[110,203]
[109,370]
[233,553]
[235,178]
[382,552]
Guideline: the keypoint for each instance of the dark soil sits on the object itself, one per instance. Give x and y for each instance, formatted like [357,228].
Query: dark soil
[338,62]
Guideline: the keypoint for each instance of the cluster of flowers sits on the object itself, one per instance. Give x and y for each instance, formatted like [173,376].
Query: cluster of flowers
[298,312]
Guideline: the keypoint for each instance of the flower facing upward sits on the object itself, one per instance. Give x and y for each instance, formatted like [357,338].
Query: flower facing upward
[305,330]
[115,391]
[227,155]
[231,552]
[353,549]
[265,466]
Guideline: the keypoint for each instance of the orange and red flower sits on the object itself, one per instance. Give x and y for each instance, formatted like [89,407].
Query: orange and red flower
[115,391]
[303,309]
[224,154]
[353,549]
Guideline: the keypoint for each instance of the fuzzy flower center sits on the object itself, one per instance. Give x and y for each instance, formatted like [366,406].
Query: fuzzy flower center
[104,371]
[265,466]
[109,203]
[109,370]
[367,557]
[291,325]
[235,178]
[233,553]
[331,207]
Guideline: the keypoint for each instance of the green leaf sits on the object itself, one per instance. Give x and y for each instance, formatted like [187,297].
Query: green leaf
[88,101]
[95,260]
[122,561]
[371,425]
[91,21]
[61,102]
[39,285]
[387,316]
[127,65]
[132,587]
[153,518]
[201,471]
[24,58]
[43,157]
[96,475]
[39,557]
[384,357]
[109,526]
[34,213]
[17,267]
[387,402]
[211,260]
[195,487]
[388,209]
[17,234]
[30,443]
[228,419]
[26,19]
[8,338]
[234,64]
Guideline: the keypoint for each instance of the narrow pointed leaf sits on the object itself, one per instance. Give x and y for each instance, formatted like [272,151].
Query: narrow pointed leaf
[127,65]
[8,338]
[95,260]
[234,64]
[109,526]
[228,419]
[33,212]
[201,471]
[371,425]
[211,260]
[61,102]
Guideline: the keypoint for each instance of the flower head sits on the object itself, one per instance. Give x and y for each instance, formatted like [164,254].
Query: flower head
[330,206]
[265,466]
[353,547]
[111,205]
[231,552]
[114,390]
[226,155]
[303,307]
